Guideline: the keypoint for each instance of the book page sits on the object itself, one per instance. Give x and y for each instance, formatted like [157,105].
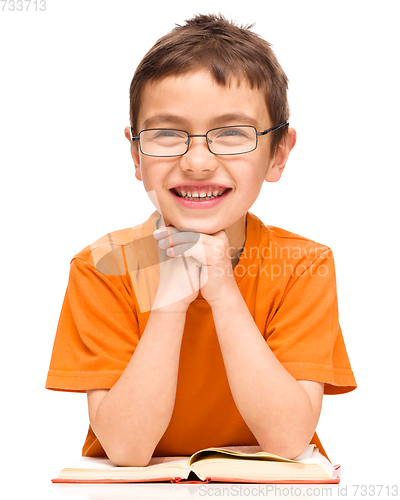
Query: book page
[250,452]
[242,449]
[307,453]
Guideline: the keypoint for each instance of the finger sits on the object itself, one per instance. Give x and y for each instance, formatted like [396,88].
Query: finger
[162,232]
[178,238]
[170,242]
[196,251]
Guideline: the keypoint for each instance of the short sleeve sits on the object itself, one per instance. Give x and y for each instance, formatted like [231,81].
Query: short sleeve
[97,331]
[304,333]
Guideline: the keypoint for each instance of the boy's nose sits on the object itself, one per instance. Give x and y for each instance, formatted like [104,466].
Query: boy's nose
[198,156]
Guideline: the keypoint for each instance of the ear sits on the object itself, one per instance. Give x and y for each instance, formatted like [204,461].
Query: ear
[279,160]
[134,153]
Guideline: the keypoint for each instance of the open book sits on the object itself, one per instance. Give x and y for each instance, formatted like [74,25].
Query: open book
[238,464]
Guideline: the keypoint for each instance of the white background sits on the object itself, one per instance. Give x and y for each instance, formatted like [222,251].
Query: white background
[68,179]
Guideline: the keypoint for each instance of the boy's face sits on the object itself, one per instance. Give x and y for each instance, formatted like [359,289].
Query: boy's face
[194,102]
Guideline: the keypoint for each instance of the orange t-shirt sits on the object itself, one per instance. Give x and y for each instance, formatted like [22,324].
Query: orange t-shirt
[288,283]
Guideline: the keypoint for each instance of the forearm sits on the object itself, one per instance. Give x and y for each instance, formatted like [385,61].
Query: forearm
[134,414]
[273,404]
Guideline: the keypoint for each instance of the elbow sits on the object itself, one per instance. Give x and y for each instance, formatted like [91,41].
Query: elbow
[122,450]
[292,452]
[128,458]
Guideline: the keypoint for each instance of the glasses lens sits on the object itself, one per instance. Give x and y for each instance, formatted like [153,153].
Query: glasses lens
[163,142]
[232,140]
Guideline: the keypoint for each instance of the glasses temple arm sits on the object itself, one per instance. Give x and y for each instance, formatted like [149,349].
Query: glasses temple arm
[134,138]
[273,128]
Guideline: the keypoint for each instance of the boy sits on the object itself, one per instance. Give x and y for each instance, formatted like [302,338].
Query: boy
[202,326]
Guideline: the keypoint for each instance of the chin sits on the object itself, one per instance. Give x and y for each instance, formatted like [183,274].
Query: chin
[202,226]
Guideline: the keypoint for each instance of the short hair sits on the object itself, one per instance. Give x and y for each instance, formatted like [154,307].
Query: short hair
[227,51]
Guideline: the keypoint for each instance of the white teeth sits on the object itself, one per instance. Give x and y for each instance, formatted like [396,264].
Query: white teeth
[184,193]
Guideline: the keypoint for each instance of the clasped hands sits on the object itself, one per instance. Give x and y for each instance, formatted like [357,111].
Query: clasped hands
[203,260]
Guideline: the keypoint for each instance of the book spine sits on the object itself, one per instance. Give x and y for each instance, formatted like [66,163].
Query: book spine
[181,480]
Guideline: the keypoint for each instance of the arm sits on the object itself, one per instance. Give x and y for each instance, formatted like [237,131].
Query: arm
[131,417]
[281,412]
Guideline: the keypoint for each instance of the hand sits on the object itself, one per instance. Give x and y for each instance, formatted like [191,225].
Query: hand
[211,252]
[179,277]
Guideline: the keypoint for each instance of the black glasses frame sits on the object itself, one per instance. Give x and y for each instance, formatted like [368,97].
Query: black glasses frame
[258,134]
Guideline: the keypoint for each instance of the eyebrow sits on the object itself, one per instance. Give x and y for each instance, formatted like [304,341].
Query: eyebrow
[233,118]
[163,118]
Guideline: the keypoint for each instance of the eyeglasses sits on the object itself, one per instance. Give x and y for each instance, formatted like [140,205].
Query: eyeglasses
[232,140]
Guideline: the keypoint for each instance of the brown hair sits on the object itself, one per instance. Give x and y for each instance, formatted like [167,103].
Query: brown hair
[226,50]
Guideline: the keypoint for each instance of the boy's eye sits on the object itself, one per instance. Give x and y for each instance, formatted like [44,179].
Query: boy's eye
[231,132]
[161,134]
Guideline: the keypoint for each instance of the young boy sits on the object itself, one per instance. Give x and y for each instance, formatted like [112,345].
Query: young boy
[202,326]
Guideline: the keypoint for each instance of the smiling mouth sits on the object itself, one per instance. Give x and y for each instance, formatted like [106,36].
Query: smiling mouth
[200,195]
